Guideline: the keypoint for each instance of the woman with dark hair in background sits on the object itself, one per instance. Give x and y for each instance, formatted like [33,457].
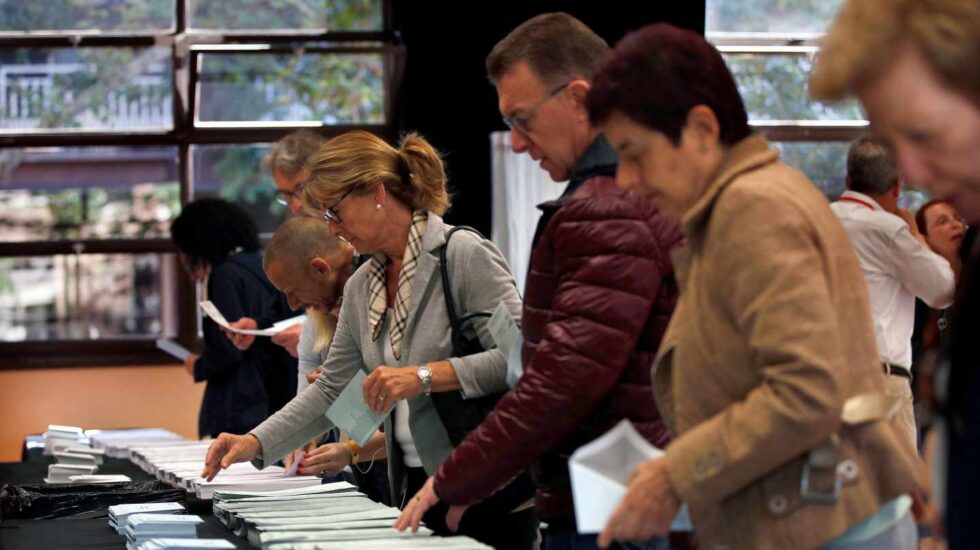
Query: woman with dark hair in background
[771,350]
[218,242]
[945,232]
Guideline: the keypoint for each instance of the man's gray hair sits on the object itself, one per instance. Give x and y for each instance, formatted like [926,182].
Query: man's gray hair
[290,154]
[871,169]
[556,46]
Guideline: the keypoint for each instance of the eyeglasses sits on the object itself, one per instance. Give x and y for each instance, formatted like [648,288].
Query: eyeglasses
[330,214]
[284,197]
[520,122]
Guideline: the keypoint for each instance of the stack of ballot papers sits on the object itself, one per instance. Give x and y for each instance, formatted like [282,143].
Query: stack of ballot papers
[333,515]
[184,544]
[119,513]
[58,435]
[181,462]
[62,473]
[142,527]
[600,472]
[93,479]
[78,454]
[118,442]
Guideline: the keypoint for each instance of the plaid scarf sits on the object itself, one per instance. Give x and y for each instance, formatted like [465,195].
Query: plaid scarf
[378,287]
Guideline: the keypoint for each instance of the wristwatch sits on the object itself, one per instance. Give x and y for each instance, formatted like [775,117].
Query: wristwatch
[425,375]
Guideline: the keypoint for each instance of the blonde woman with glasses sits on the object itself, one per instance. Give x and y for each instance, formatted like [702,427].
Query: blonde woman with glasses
[395,325]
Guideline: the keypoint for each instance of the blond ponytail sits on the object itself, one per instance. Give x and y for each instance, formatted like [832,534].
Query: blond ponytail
[359,161]
[425,173]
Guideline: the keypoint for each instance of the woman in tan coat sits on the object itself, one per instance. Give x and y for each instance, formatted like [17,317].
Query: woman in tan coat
[768,375]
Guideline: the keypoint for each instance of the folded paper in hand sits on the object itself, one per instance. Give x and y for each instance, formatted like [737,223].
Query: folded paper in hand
[351,414]
[601,471]
[212,311]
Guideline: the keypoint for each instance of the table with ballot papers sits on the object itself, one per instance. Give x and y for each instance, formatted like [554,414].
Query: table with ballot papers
[242,507]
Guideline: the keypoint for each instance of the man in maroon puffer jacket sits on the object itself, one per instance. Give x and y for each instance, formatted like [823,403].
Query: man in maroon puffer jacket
[599,292]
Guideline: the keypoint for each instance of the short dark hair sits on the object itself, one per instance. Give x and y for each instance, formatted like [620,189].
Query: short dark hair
[920,216]
[209,230]
[870,167]
[657,74]
[556,46]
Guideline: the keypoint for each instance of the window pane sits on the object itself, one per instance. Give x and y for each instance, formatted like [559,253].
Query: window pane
[321,15]
[87,15]
[232,172]
[774,87]
[774,16]
[87,193]
[87,296]
[86,88]
[823,162]
[328,88]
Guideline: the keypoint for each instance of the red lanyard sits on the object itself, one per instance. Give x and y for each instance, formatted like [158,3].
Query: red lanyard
[859,201]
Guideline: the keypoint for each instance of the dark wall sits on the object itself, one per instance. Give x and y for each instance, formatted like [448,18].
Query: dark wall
[445,94]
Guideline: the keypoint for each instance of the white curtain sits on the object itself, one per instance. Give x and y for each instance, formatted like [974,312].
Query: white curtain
[519,185]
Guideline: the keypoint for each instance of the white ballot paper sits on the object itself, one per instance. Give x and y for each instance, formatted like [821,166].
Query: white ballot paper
[503,328]
[600,472]
[515,363]
[173,348]
[351,414]
[295,465]
[212,311]
[506,335]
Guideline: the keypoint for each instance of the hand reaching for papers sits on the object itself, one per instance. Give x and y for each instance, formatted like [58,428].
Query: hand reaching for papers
[386,385]
[326,460]
[242,341]
[423,500]
[289,339]
[648,508]
[227,450]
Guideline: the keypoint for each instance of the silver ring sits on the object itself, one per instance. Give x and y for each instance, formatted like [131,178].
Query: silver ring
[381,398]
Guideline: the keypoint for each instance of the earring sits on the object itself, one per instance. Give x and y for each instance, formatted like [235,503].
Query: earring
[377,206]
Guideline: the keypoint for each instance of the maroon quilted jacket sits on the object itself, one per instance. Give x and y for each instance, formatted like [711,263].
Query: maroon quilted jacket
[599,293]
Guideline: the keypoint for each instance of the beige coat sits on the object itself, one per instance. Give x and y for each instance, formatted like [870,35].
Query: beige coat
[772,334]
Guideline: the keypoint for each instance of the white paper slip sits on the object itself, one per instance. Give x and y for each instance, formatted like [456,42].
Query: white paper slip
[295,465]
[212,311]
[351,414]
[62,473]
[173,348]
[184,544]
[75,448]
[600,472]
[286,323]
[119,514]
[95,479]
[515,363]
[503,328]
[79,459]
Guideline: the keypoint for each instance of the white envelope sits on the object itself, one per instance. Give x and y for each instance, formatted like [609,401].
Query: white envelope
[600,472]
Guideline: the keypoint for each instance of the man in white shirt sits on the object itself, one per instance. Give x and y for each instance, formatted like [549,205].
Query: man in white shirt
[897,263]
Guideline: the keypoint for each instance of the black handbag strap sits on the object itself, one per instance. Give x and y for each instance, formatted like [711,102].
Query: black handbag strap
[455,322]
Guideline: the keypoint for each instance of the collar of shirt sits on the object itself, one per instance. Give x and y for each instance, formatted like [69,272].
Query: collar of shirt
[860,199]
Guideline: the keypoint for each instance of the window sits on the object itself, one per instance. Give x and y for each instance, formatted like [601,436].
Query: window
[114,113]
[769,47]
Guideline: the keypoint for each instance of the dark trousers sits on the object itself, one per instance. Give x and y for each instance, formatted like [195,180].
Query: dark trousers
[484,521]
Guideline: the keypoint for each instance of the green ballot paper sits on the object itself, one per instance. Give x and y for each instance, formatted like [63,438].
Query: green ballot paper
[351,414]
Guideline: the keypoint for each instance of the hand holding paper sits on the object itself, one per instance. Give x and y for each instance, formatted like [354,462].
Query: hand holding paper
[351,414]
[619,482]
[212,311]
